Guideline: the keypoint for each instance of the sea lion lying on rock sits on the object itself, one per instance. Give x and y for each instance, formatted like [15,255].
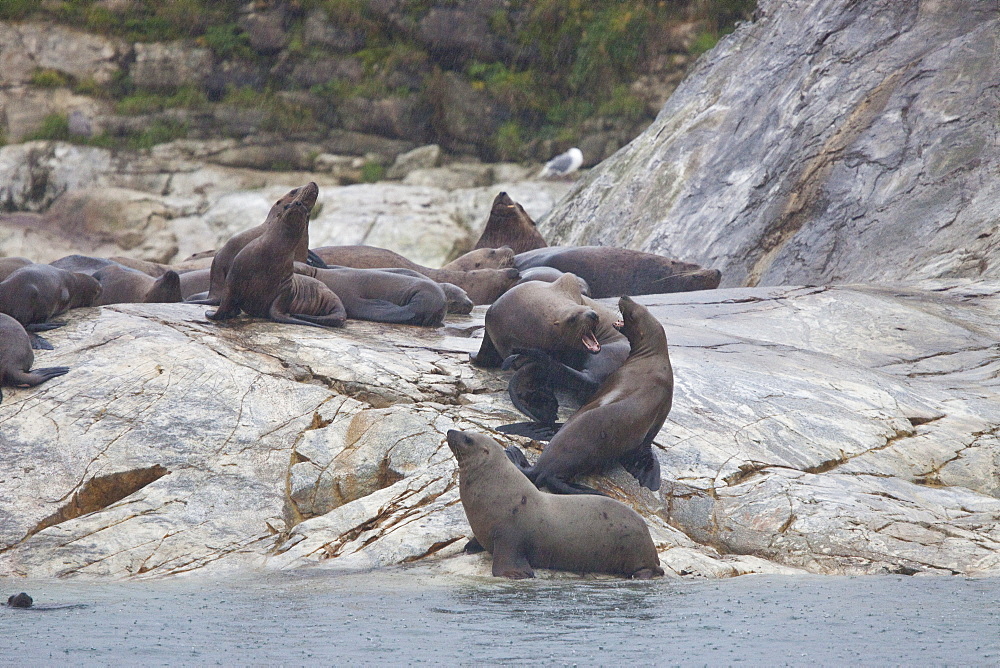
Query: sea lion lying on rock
[156,269]
[510,225]
[16,358]
[551,275]
[383,296]
[620,421]
[121,285]
[8,265]
[261,281]
[612,272]
[483,286]
[84,264]
[482,258]
[524,528]
[35,294]
[194,284]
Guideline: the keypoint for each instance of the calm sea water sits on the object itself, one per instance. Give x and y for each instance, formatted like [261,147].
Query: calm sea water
[406,616]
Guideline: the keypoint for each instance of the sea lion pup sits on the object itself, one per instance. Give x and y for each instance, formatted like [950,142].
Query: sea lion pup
[222,260]
[482,285]
[260,279]
[524,528]
[612,272]
[121,285]
[16,357]
[35,294]
[482,258]
[8,265]
[383,296]
[620,422]
[510,225]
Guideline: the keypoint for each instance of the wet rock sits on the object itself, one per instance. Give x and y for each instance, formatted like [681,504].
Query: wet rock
[826,142]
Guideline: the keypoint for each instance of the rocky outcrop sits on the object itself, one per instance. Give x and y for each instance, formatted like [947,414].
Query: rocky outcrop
[830,430]
[826,142]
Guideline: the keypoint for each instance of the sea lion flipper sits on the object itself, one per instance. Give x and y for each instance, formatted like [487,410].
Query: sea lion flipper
[38,343]
[43,327]
[559,486]
[314,260]
[487,357]
[644,466]
[536,430]
[517,457]
[473,546]
[509,560]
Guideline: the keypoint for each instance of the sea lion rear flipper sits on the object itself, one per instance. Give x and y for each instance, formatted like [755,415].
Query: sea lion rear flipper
[473,546]
[531,393]
[643,464]
[536,430]
[314,260]
[487,357]
[43,327]
[38,343]
[509,560]
[202,298]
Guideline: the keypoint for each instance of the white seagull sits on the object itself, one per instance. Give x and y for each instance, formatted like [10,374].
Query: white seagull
[563,164]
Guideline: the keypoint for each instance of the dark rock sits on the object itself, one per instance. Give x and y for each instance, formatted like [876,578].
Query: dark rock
[265,31]
[319,30]
[21,600]
[233,74]
[463,115]
[309,73]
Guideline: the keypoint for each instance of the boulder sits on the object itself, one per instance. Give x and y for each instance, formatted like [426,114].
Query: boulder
[826,142]
[163,66]
[26,47]
[425,157]
[319,30]
[856,432]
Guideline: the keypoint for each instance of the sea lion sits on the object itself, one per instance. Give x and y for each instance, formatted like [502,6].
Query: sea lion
[8,265]
[510,225]
[261,282]
[559,339]
[612,272]
[83,264]
[383,296]
[35,294]
[458,299]
[482,258]
[157,269]
[551,275]
[195,283]
[222,260]
[620,421]
[21,600]
[121,285]
[524,528]
[16,357]
[482,285]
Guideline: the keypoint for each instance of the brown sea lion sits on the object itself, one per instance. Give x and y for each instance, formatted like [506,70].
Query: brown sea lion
[483,258]
[551,275]
[121,285]
[620,421]
[260,279]
[482,285]
[156,269]
[83,264]
[524,528]
[458,299]
[560,339]
[35,294]
[383,296]
[16,357]
[8,265]
[510,225]
[612,272]
[194,283]
[222,260]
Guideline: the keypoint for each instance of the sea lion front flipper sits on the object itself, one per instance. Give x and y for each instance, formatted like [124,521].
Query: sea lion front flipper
[487,357]
[559,486]
[314,260]
[643,464]
[380,310]
[531,392]
[38,343]
[509,560]
[473,546]
[517,458]
[536,430]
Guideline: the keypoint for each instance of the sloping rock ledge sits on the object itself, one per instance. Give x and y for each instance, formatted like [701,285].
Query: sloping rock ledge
[848,429]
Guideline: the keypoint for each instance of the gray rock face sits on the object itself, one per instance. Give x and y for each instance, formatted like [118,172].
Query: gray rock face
[829,141]
[25,47]
[829,430]
[164,66]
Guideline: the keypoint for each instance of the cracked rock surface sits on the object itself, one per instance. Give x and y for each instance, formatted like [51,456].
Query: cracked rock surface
[848,429]
[829,141]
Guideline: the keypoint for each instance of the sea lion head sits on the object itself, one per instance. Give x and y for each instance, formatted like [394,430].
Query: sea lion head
[574,321]
[639,326]
[484,258]
[166,289]
[85,290]
[472,449]
[488,284]
[458,299]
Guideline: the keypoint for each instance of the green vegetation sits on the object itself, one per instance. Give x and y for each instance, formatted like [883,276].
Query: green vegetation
[55,127]
[508,142]
[228,41]
[372,172]
[145,102]
[49,78]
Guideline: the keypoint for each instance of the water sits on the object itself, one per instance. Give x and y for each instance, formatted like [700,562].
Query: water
[407,616]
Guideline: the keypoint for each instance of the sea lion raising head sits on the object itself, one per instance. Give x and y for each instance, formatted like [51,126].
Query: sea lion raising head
[524,528]
[510,225]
